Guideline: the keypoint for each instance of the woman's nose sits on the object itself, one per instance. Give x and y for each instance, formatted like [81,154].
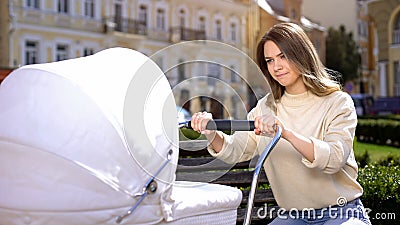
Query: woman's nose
[277,64]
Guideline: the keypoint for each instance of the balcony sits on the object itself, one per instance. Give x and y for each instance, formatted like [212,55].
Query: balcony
[187,34]
[132,26]
[126,25]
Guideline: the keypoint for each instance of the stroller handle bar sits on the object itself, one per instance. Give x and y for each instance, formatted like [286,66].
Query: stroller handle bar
[225,125]
[244,125]
[263,156]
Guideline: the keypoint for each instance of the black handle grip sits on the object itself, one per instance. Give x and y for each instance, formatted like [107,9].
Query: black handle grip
[229,125]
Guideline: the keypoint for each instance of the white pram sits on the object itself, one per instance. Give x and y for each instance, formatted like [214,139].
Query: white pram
[94,140]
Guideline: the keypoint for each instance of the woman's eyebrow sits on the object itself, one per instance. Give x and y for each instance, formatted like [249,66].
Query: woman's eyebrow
[278,55]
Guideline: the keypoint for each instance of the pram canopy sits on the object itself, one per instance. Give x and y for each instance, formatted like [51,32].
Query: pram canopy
[82,136]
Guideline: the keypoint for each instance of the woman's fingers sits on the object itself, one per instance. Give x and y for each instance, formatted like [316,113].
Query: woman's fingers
[265,125]
[199,121]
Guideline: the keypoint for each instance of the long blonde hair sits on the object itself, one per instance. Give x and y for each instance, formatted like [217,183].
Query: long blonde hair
[300,52]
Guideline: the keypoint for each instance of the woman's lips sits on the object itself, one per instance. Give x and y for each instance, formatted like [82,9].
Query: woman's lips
[280,75]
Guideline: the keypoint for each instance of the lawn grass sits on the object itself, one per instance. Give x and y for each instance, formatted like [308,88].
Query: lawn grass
[376,152]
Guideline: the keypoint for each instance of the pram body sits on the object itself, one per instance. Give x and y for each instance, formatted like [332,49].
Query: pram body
[80,138]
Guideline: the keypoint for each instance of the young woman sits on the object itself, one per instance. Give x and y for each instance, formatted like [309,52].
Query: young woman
[312,170]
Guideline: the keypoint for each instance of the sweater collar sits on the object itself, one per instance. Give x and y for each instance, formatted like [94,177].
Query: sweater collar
[298,99]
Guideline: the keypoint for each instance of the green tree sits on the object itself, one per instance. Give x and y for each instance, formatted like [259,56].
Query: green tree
[342,54]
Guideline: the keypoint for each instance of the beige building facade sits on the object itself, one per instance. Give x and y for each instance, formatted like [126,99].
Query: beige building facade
[39,31]
[385,23]
[217,74]
[375,25]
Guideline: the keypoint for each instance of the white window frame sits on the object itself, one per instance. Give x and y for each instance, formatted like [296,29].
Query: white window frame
[202,23]
[143,13]
[161,19]
[218,31]
[89,8]
[182,17]
[31,50]
[233,76]
[63,6]
[181,70]
[88,51]
[32,4]
[233,32]
[64,54]
[214,72]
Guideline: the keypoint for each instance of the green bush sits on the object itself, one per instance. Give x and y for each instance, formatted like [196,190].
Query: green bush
[381,185]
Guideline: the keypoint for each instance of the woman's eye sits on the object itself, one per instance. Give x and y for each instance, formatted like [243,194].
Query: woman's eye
[268,60]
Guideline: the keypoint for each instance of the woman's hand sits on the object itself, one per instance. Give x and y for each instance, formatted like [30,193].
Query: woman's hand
[199,122]
[266,125]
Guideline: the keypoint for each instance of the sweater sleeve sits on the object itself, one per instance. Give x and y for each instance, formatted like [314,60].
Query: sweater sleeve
[332,152]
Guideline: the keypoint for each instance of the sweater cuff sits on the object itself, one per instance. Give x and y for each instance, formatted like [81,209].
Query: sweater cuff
[321,155]
[221,153]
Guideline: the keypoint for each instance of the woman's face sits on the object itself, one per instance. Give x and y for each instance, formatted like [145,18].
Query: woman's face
[280,69]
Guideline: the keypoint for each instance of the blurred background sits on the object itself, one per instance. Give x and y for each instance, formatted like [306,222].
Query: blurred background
[358,38]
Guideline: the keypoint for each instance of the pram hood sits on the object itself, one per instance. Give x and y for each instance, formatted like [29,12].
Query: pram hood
[82,136]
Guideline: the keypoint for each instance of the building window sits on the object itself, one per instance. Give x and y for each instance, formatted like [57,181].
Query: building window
[218,30]
[89,8]
[63,6]
[119,26]
[34,4]
[31,52]
[160,19]
[396,30]
[363,29]
[61,52]
[202,23]
[234,78]
[234,106]
[88,51]
[182,18]
[181,71]
[396,67]
[213,73]
[233,32]
[143,15]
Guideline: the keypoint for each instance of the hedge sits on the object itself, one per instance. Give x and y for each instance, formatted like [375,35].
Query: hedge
[379,130]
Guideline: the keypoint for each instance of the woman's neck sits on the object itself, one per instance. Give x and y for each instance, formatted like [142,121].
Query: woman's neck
[296,89]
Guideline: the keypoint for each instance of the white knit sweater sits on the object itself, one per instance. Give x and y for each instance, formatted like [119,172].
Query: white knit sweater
[330,122]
